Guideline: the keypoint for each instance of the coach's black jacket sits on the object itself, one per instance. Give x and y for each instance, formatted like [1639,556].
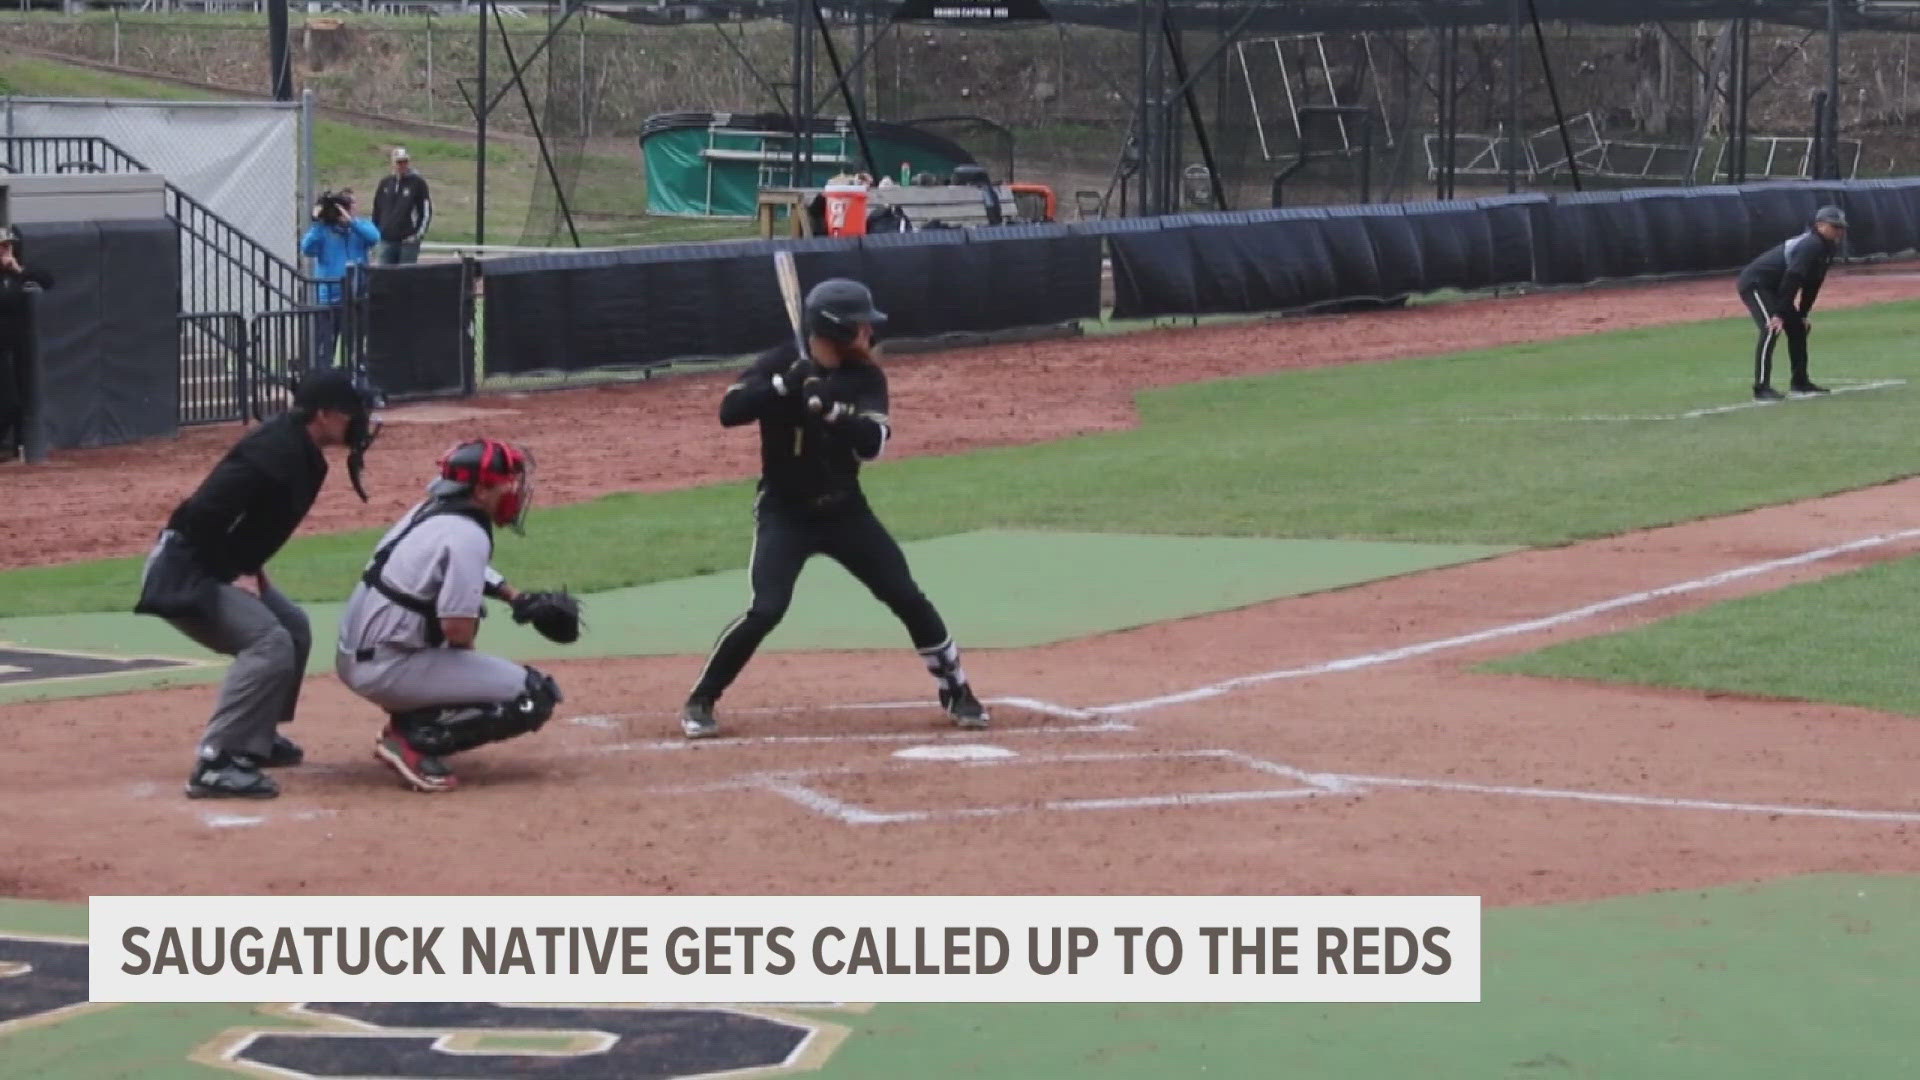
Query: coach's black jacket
[254,499]
[1798,266]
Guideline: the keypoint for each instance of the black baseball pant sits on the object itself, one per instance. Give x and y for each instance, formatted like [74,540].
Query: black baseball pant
[784,539]
[1791,324]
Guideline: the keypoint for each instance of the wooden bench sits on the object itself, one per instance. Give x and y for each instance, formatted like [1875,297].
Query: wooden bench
[965,207]
[767,207]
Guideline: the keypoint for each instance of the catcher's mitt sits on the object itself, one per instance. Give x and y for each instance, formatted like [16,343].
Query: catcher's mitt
[555,614]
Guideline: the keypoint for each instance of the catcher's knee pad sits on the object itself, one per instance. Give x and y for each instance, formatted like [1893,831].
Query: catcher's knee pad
[537,701]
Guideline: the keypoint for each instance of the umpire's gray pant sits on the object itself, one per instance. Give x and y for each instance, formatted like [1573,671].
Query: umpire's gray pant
[269,639]
[401,680]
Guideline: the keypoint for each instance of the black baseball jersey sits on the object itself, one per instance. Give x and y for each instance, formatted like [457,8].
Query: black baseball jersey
[807,462]
[1797,266]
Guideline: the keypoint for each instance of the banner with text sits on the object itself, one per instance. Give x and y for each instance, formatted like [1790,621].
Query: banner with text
[748,949]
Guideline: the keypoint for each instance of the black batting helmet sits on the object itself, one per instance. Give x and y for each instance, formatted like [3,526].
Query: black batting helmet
[837,305]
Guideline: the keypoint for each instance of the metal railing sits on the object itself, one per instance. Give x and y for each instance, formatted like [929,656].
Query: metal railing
[214,371]
[221,268]
[65,154]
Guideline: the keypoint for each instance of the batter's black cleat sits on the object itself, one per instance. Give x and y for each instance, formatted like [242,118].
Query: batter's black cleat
[696,719]
[230,776]
[285,754]
[966,710]
[1767,393]
[1808,386]
[422,772]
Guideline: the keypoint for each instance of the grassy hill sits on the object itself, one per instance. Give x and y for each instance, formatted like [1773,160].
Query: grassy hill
[352,153]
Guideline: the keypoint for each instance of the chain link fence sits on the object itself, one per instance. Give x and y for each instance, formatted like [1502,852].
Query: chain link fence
[1644,104]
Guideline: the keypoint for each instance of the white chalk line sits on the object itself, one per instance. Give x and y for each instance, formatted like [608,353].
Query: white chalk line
[1620,799]
[1045,708]
[793,785]
[1528,626]
[1838,387]
[664,746]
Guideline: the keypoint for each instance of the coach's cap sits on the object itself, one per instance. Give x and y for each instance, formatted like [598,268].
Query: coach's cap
[6,235]
[1830,215]
[400,153]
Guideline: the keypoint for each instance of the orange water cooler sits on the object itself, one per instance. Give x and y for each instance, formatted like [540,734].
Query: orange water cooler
[846,209]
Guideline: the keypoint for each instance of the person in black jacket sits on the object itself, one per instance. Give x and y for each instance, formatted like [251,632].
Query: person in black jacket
[820,416]
[207,577]
[402,210]
[1779,289]
[16,279]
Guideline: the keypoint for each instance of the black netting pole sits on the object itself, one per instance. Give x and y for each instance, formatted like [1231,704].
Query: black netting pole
[539,137]
[846,92]
[1831,166]
[1553,94]
[1513,97]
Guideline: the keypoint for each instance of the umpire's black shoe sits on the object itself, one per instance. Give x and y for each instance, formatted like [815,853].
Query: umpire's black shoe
[1808,386]
[965,709]
[230,776]
[696,719]
[1767,393]
[285,754]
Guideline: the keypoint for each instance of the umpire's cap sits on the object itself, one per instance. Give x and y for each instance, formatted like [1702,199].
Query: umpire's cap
[336,389]
[1830,215]
[837,305]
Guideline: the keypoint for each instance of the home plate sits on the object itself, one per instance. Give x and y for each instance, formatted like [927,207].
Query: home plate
[954,752]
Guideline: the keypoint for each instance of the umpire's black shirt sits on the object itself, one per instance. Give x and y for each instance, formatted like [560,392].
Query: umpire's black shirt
[806,463]
[1799,265]
[253,499]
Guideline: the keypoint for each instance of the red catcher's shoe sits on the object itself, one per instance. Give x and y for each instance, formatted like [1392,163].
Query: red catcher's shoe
[422,772]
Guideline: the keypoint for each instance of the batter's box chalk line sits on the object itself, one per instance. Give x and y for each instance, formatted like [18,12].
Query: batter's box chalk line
[1296,784]
[1838,386]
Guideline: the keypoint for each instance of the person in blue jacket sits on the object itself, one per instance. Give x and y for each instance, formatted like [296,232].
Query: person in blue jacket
[335,241]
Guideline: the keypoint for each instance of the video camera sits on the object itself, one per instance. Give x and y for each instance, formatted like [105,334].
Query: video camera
[334,206]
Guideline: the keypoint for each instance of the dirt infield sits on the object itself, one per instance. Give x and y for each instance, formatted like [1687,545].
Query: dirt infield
[1367,758]
[664,434]
[1345,781]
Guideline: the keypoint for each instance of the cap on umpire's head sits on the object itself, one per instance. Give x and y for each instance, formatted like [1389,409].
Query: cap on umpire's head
[336,389]
[1830,215]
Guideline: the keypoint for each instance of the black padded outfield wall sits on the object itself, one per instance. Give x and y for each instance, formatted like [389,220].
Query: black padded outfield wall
[651,306]
[1290,260]
[105,334]
[418,324]
[645,307]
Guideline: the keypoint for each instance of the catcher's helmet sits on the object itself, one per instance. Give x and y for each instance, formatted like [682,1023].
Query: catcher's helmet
[489,463]
[837,306]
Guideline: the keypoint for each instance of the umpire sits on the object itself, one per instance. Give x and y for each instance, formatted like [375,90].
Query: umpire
[206,576]
[1779,289]
[820,416]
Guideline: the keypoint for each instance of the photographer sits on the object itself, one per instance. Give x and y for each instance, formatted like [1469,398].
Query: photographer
[335,241]
[15,281]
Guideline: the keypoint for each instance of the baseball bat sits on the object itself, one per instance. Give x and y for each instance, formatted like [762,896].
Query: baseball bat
[789,276]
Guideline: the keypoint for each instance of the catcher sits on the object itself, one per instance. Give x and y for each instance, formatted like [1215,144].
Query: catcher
[408,631]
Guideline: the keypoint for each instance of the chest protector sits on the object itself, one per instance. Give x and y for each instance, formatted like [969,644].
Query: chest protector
[375,576]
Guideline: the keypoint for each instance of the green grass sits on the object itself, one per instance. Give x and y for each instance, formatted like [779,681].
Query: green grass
[1846,639]
[1390,451]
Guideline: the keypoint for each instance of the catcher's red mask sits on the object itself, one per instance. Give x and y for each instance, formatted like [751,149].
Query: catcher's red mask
[492,463]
